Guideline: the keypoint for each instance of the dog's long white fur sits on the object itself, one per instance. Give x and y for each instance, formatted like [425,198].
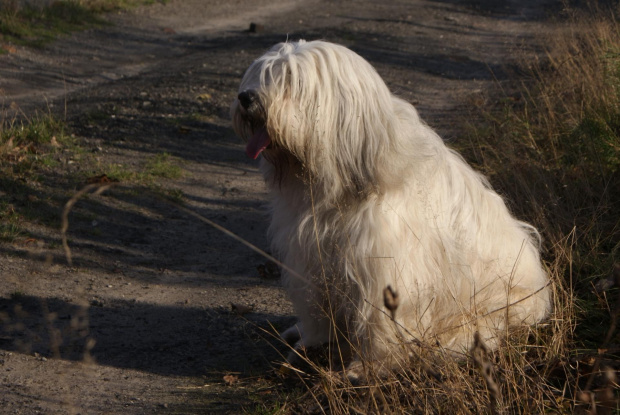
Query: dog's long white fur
[365,195]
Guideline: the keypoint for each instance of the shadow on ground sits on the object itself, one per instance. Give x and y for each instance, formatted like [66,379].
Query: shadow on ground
[172,341]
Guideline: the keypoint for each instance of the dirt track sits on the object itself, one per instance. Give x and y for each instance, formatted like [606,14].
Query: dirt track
[142,322]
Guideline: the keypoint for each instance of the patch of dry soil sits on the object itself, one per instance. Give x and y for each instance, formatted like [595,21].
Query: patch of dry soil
[142,321]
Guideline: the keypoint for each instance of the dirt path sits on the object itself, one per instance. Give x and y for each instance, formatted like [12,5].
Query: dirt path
[142,321]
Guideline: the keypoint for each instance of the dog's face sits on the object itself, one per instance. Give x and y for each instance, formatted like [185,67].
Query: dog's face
[252,122]
[262,95]
[324,108]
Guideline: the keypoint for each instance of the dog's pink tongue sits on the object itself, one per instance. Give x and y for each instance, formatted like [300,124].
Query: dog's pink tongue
[259,141]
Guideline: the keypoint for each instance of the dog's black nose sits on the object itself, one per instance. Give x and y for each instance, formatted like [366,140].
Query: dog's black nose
[246,98]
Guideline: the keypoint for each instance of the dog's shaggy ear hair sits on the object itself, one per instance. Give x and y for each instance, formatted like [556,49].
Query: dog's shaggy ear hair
[350,129]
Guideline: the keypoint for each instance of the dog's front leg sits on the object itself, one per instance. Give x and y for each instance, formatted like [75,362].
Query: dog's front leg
[305,334]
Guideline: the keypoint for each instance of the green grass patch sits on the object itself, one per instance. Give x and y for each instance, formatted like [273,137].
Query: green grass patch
[173,195]
[30,151]
[104,6]
[9,232]
[17,295]
[156,167]
[120,173]
[163,165]
[9,222]
[40,129]
[26,145]
[36,26]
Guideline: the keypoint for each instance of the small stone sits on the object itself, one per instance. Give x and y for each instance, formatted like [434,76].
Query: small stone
[256,28]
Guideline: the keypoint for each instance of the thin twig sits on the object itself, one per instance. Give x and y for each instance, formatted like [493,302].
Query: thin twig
[101,187]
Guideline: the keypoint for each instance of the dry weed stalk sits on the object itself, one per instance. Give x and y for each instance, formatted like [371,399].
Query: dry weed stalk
[485,366]
[99,188]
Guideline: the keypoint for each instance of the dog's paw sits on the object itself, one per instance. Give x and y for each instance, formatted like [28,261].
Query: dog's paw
[355,372]
[359,373]
[295,361]
[292,335]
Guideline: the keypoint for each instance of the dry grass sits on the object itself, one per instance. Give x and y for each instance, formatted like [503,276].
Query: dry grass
[553,148]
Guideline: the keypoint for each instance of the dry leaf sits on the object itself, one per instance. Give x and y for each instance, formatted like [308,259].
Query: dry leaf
[9,144]
[230,379]
[54,142]
[286,370]
[15,158]
[8,48]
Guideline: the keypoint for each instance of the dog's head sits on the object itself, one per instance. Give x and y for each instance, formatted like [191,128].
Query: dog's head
[325,107]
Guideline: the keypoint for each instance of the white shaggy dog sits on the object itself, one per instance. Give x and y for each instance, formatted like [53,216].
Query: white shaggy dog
[365,195]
